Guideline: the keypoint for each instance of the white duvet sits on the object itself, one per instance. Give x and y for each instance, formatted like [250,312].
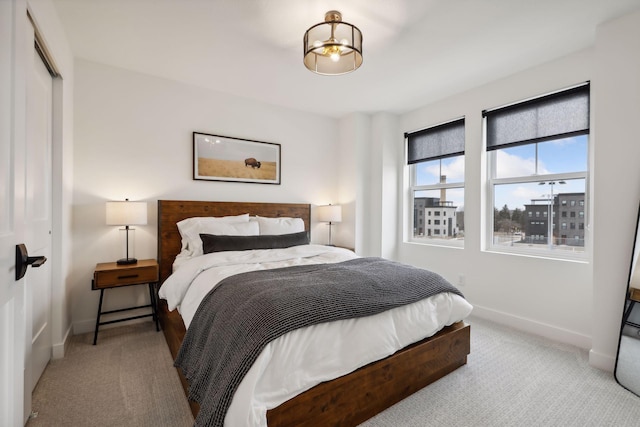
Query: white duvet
[305,357]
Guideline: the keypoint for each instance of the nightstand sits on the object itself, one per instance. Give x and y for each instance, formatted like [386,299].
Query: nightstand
[109,275]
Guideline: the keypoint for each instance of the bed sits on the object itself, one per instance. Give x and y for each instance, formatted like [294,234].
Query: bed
[348,399]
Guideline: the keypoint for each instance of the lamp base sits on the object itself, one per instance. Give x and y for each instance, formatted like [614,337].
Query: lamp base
[126,261]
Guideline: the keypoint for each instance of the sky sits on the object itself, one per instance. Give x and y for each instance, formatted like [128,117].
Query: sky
[558,156]
[225,148]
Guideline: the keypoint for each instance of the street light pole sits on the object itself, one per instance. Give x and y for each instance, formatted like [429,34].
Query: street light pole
[550,218]
[550,239]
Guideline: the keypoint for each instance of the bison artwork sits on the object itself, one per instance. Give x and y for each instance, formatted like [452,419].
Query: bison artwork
[252,162]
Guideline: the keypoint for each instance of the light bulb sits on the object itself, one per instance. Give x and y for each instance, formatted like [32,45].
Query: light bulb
[332,52]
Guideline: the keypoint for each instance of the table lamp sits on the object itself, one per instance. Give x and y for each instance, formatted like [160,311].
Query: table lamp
[127,213]
[330,214]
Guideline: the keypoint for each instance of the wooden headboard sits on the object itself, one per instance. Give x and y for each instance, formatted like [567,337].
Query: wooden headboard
[170,212]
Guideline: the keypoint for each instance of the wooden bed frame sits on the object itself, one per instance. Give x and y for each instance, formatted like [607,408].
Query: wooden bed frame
[345,401]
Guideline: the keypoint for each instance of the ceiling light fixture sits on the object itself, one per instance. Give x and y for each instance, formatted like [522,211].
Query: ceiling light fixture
[333,47]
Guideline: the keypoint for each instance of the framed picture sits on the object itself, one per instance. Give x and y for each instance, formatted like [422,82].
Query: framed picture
[223,158]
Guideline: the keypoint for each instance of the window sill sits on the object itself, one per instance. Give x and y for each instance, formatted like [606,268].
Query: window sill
[555,255]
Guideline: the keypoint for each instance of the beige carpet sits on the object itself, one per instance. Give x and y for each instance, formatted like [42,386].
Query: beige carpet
[127,379]
[511,379]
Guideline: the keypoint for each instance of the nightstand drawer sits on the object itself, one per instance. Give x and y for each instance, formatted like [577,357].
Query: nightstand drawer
[110,277]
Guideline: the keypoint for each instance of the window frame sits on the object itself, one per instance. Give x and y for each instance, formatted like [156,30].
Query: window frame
[531,179]
[505,130]
[492,182]
[414,188]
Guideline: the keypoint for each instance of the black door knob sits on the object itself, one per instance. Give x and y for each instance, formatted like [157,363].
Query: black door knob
[23,260]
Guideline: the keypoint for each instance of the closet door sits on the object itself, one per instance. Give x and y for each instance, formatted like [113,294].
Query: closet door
[37,215]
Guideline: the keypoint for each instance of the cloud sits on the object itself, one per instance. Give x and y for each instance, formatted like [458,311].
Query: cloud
[509,165]
[452,168]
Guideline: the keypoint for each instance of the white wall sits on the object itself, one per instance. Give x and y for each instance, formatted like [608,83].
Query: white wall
[368,183]
[617,177]
[575,302]
[133,138]
[354,171]
[385,157]
[549,297]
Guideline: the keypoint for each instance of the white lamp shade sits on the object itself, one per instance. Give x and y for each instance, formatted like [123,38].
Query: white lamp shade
[330,213]
[126,213]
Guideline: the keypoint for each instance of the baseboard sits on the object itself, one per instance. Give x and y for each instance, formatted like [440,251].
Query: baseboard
[602,361]
[527,325]
[58,350]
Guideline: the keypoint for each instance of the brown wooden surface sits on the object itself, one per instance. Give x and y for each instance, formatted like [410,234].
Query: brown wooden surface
[174,330]
[110,274]
[356,397]
[345,401]
[170,212]
[634,294]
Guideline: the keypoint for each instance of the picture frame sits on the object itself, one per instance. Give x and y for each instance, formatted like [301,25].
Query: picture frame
[225,158]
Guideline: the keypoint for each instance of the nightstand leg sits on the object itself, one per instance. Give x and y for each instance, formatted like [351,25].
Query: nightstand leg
[95,334]
[154,304]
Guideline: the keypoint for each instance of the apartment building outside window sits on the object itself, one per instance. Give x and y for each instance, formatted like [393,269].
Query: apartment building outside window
[537,153]
[435,158]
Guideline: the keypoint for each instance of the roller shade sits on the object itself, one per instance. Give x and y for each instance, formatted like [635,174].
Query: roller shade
[436,142]
[554,116]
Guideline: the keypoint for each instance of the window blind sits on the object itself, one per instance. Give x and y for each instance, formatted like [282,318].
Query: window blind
[554,116]
[436,142]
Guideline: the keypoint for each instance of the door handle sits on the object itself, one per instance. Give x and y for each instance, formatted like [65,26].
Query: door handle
[23,260]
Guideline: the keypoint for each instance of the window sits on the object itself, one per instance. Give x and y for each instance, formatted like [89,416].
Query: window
[537,153]
[435,158]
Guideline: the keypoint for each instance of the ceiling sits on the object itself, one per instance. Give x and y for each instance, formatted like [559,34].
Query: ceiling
[415,51]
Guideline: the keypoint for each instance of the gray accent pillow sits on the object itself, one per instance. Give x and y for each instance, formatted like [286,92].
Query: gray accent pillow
[215,243]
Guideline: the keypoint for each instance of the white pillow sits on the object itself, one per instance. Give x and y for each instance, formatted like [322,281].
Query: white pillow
[190,222]
[278,226]
[191,228]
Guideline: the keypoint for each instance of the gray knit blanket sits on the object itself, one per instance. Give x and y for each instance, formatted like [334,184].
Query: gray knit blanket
[241,315]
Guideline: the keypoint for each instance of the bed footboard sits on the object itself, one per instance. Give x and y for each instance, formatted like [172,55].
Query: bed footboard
[358,396]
